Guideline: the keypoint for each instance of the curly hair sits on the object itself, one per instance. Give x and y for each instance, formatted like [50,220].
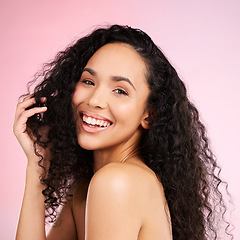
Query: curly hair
[175,146]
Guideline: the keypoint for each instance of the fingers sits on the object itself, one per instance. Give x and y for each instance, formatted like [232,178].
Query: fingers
[22,115]
[24,111]
[29,96]
[31,99]
[26,103]
[29,113]
[21,119]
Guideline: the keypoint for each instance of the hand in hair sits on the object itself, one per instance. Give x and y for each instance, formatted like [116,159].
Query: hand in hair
[23,134]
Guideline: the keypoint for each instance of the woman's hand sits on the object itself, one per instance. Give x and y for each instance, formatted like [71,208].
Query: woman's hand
[31,221]
[24,135]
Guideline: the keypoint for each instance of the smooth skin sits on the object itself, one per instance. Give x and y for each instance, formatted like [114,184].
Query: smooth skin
[124,199]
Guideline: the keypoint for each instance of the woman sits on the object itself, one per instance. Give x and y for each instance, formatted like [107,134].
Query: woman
[114,140]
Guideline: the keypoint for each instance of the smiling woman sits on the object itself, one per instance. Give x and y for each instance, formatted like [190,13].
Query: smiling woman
[111,90]
[111,136]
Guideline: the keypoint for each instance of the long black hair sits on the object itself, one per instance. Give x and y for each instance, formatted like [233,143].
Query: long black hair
[175,146]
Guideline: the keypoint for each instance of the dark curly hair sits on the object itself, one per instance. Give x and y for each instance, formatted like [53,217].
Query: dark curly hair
[175,146]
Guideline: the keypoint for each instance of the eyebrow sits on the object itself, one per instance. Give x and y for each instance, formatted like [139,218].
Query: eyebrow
[91,71]
[114,78]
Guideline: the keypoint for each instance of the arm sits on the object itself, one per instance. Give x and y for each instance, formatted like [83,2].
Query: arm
[32,217]
[114,205]
[31,223]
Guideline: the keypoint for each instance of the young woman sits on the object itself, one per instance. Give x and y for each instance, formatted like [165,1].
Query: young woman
[111,137]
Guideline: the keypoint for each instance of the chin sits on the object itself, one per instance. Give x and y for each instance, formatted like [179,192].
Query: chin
[88,145]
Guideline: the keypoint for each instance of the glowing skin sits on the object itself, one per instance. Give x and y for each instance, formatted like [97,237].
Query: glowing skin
[109,101]
[122,200]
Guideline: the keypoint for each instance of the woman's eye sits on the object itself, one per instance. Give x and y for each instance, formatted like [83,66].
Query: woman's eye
[88,82]
[121,91]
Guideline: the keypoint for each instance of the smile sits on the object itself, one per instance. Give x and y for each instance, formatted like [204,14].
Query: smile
[94,122]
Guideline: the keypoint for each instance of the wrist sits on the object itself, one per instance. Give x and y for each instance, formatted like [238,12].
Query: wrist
[34,168]
[33,175]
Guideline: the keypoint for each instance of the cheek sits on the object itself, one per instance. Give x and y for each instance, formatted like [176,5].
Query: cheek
[76,100]
[74,96]
[126,112]
[78,95]
[123,109]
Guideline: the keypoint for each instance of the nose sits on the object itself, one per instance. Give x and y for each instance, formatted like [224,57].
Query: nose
[98,99]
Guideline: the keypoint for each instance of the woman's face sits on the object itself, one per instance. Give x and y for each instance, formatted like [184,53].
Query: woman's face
[109,101]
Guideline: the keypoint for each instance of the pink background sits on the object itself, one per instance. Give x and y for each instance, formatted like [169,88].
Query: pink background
[201,39]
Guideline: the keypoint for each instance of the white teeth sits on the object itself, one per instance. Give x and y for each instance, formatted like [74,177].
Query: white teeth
[84,118]
[94,121]
[88,120]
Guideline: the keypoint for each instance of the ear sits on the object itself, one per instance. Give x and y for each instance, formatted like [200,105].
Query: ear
[145,123]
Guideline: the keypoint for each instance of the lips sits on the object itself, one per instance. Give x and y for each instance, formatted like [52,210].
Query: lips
[94,123]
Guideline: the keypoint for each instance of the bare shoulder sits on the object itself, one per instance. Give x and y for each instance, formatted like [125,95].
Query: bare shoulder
[131,198]
[133,179]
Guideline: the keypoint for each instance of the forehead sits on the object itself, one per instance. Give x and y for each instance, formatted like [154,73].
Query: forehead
[118,59]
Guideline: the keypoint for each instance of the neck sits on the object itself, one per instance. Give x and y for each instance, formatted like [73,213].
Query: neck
[118,154]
